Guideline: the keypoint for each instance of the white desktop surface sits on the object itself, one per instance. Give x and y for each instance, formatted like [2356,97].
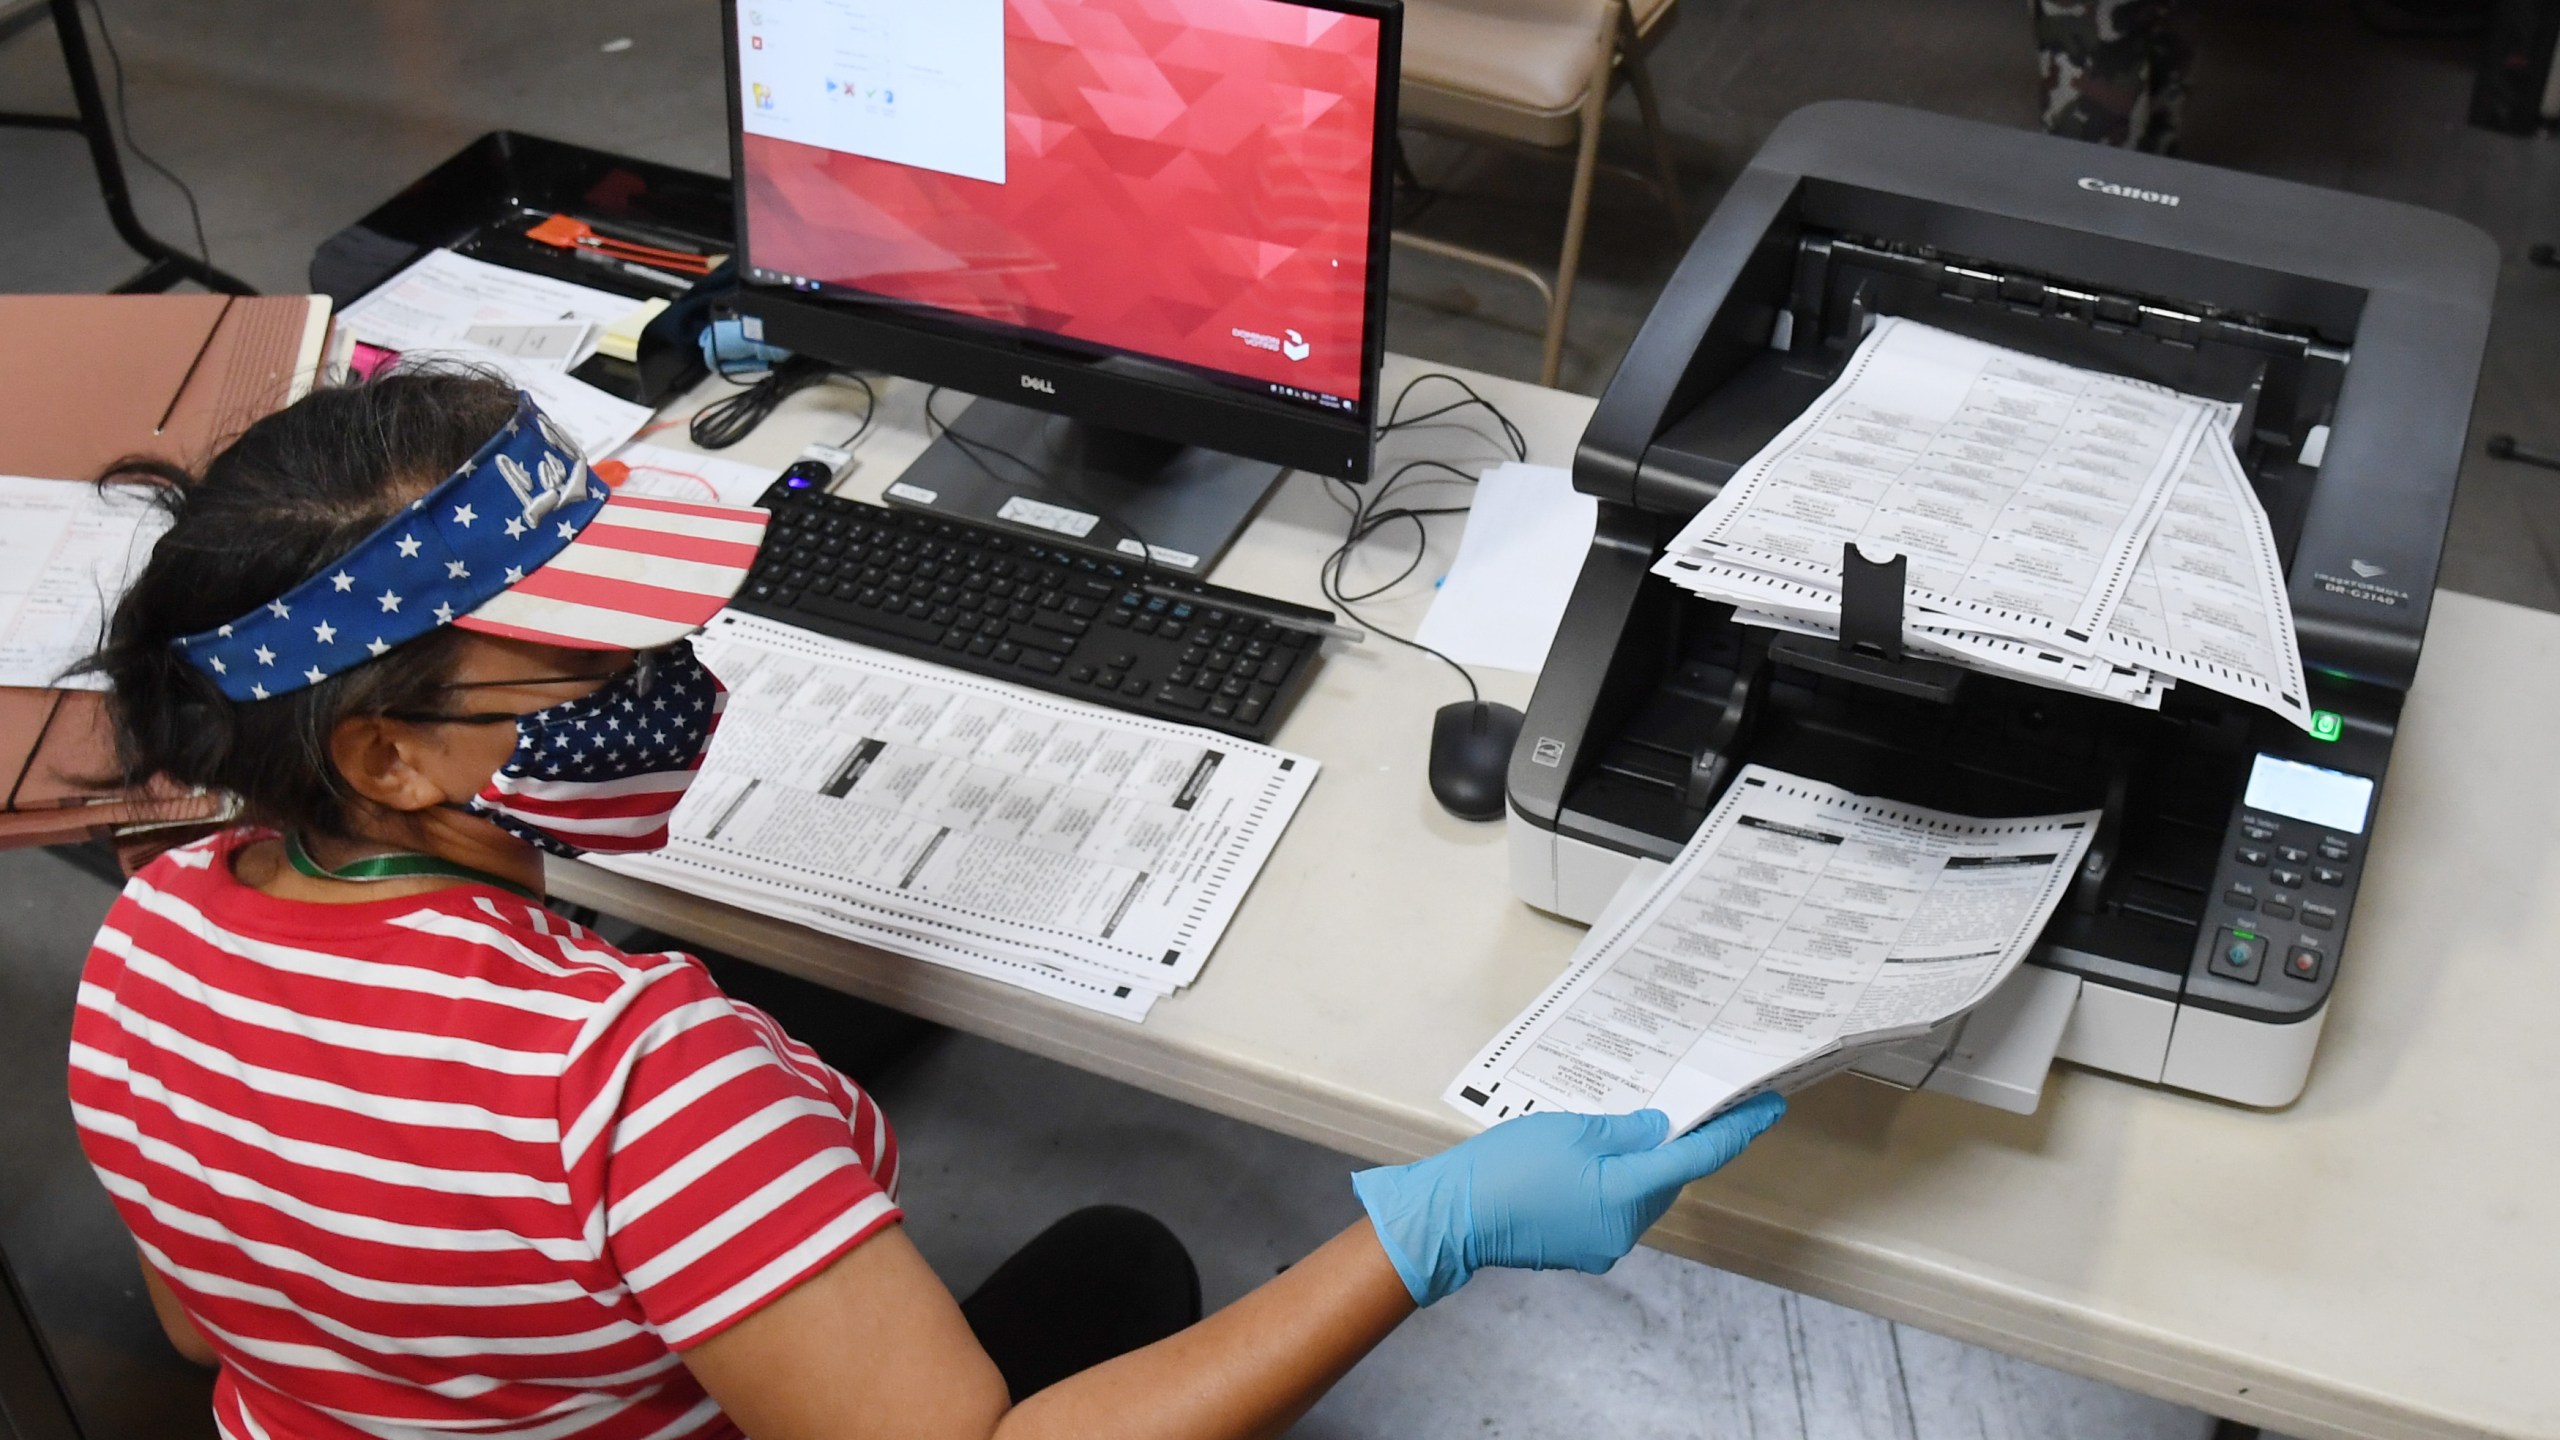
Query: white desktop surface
[2380,1259]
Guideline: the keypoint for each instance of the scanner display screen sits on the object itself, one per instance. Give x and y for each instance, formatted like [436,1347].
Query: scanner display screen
[2306,792]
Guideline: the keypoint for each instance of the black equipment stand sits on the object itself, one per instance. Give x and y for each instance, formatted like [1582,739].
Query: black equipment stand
[164,264]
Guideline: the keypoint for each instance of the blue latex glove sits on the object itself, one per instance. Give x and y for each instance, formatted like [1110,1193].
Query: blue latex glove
[1544,1192]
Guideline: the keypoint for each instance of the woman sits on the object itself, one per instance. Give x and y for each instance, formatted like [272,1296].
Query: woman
[405,1153]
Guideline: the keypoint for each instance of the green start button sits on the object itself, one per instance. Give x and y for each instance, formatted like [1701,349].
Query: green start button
[2327,725]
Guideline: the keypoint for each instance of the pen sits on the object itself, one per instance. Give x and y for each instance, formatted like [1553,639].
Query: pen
[659,278]
[1282,618]
[180,393]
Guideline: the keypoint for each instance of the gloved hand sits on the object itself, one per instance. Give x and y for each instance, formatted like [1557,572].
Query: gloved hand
[1544,1192]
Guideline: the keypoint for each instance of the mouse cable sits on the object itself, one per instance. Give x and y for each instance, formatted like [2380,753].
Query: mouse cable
[1368,510]
[1366,520]
[124,123]
[1369,514]
[977,452]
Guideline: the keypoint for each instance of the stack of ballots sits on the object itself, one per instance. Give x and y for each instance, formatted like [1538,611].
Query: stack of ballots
[2062,526]
[1085,854]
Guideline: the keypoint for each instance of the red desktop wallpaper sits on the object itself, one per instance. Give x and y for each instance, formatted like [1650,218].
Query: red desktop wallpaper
[1176,171]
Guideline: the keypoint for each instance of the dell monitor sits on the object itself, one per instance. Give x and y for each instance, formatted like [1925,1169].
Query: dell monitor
[1151,235]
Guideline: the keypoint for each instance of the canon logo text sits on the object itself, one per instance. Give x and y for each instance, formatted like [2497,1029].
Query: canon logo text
[2125,192]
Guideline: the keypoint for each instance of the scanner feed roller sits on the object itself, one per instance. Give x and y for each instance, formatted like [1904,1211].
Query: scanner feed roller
[2348,333]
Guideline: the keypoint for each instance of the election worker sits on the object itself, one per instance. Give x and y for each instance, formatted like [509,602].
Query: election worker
[407,1154]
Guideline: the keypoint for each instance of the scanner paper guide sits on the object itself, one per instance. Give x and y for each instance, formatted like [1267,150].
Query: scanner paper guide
[1800,928]
[1093,855]
[2063,527]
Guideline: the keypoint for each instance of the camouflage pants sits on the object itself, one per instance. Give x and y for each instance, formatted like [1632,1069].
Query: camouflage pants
[2115,71]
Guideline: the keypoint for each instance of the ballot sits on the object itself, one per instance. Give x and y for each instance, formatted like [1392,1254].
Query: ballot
[1094,855]
[2207,602]
[1802,927]
[2062,526]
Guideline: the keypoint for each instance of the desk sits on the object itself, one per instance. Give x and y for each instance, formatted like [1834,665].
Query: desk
[2380,1259]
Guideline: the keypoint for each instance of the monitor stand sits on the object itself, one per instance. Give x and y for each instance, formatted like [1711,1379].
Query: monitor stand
[1087,484]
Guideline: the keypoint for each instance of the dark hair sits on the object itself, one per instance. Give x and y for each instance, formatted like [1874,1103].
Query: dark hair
[283,501]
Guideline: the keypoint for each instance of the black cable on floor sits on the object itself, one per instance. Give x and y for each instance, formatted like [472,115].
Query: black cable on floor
[124,124]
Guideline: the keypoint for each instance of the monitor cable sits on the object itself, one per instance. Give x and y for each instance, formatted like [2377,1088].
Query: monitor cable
[870,410]
[1369,513]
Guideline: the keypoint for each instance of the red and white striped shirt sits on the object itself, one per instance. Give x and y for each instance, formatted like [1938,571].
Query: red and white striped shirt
[450,1164]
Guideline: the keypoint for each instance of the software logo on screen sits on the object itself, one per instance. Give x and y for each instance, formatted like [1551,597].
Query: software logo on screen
[1295,347]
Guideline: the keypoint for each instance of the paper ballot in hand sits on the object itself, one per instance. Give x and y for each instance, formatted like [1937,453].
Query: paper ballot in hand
[1802,927]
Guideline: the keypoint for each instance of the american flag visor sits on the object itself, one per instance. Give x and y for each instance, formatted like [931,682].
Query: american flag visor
[523,541]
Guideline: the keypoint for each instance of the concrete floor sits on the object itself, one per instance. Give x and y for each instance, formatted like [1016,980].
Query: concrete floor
[290,118]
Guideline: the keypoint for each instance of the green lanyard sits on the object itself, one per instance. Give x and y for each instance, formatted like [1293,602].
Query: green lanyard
[403,865]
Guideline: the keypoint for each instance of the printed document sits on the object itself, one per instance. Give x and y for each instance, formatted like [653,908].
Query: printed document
[2207,603]
[442,297]
[2022,490]
[2062,527]
[1800,927]
[937,812]
[68,552]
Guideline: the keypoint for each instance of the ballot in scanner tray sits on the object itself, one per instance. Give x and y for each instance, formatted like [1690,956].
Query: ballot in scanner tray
[480,201]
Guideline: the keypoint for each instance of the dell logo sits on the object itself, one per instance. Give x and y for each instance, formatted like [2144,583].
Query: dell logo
[1034,382]
[2097,186]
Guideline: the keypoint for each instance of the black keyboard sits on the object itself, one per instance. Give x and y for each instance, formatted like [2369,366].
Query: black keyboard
[1076,622]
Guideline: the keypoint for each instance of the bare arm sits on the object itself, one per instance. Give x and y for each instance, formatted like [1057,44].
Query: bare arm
[182,1332]
[874,1346]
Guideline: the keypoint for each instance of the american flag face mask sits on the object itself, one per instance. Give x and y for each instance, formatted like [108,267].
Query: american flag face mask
[606,771]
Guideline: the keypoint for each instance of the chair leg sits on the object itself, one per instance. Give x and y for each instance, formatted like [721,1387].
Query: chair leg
[166,263]
[1631,54]
[1577,216]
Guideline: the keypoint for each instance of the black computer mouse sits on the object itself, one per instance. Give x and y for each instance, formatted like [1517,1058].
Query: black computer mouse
[1471,757]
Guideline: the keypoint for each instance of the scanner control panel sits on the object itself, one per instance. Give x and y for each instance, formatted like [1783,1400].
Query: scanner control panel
[2283,891]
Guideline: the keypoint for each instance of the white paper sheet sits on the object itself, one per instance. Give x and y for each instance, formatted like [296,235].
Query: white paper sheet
[599,423]
[432,304]
[552,344]
[970,815]
[2021,490]
[68,552]
[672,474]
[1528,532]
[1801,926]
